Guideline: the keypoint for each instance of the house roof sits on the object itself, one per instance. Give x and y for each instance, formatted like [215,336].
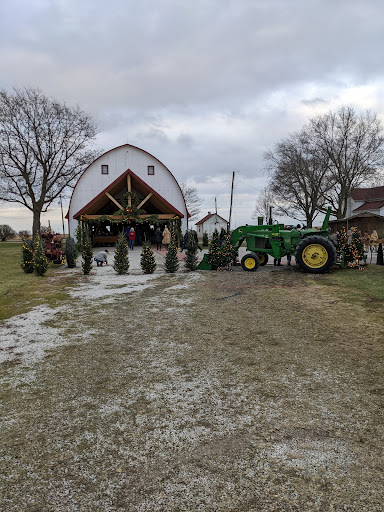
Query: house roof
[208,217]
[371,205]
[358,216]
[368,194]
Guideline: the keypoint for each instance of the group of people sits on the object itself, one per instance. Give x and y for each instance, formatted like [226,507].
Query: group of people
[162,238]
[370,240]
[159,238]
[187,236]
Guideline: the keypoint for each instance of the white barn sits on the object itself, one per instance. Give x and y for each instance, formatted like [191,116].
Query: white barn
[118,174]
[209,223]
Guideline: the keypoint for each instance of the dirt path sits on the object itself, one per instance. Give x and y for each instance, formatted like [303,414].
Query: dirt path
[201,392]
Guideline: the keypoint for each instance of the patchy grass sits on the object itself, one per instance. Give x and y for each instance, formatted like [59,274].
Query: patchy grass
[364,286]
[20,292]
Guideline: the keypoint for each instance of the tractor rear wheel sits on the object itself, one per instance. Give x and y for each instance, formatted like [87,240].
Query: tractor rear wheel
[315,254]
[70,252]
[263,257]
[250,262]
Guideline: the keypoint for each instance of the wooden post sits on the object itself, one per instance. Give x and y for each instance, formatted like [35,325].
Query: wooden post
[129,190]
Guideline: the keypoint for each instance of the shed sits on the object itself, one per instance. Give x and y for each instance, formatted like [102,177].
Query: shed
[364,221]
[209,223]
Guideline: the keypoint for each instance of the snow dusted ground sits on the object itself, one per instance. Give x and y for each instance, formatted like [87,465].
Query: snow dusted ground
[28,336]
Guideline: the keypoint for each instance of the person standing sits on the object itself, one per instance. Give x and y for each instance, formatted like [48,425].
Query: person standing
[131,238]
[185,240]
[166,237]
[221,236]
[196,240]
[158,238]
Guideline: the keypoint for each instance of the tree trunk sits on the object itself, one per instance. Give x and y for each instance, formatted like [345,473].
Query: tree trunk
[36,222]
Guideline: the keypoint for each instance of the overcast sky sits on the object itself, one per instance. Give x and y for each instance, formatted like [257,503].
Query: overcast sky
[205,86]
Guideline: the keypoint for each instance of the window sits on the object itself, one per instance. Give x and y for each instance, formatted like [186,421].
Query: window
[104,169]
[151,170]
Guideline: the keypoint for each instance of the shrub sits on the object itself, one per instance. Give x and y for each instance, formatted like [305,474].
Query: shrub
[205,239]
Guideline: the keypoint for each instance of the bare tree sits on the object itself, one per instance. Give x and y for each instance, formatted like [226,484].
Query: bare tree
[43,148]
[298,178]
[264,200]
[6,232]
[352,145]
[192,200]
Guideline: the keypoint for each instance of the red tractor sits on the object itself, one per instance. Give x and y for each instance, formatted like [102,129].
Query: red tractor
[55,252]
[53,248]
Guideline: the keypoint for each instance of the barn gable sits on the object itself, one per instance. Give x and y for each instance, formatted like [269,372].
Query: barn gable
[110,199]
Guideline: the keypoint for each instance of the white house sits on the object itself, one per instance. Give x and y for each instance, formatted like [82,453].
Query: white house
[210,222]
[366,200]
[115,178]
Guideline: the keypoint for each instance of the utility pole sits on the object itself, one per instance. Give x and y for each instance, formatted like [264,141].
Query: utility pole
[215,206]
[62,215]
[230,209]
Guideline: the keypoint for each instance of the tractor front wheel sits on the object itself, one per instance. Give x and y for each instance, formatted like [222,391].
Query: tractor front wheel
[250,262]
[316,254]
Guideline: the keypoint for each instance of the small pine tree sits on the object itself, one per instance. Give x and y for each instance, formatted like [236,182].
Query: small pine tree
[27,256]
[86,253]
[214,251]
[40,261]
[121,261]
[205,239]
[147,261]
[226,252]
[171,261]
[79,237]
[190,254]
[342,246]
[356,247]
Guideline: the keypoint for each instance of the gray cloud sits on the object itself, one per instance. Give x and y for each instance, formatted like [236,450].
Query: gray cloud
[206,86]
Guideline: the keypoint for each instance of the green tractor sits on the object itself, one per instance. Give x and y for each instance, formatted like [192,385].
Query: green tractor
[313,250]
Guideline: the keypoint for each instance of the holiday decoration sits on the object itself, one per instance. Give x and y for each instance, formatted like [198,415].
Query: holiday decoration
[190,254]
[171,261]
[147,261]
[227,253]
[214,251]
[121,262]
[40,262]
[86,253]
[27,256]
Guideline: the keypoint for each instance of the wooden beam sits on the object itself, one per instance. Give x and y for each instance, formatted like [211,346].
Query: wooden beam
[161,216]
[129,188]
[144,200]
[114,200]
